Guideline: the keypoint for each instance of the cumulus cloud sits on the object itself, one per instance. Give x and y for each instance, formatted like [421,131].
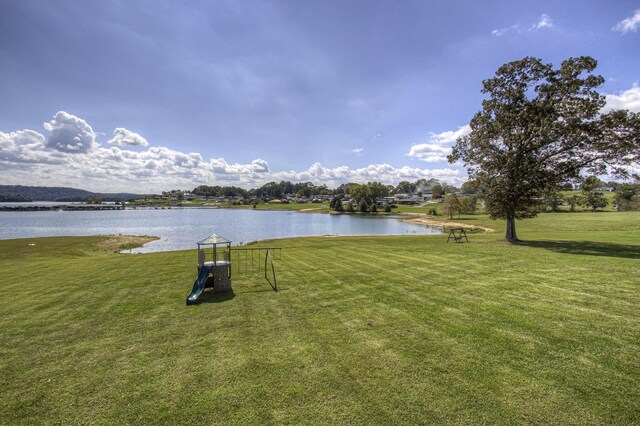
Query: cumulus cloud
[23,146]
[70,134]
[438,145]
[124,137]
[384,173]
[220,167]
[629,24]
[27,156]
[628,99]
[428,152]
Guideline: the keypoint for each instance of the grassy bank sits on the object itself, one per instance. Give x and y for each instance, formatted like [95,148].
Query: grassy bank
[366,330]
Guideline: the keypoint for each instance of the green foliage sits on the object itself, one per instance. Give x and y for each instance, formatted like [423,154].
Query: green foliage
[94,200]
[469,204]
[469,187]
[590,197]
[387,208]
[405,187]
[14,198]
[337,205]
[438,190]
[595,200]
[362,206]
[573,201]
[552,198]
[452,205]
[540,127]
[628,197]
[219,191]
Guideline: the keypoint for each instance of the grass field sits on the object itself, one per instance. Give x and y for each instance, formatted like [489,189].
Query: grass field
[367,330]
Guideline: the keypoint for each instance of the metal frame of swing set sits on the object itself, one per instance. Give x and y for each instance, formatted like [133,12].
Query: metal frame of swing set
[249,260]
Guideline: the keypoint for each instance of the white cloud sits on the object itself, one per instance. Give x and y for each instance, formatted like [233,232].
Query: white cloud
[384,173]
[545,21]
[438,145]
[629,24]
[428,152]
[221,168]
[28,157]
[124,137]
[499,32]
[449,137]
[357,151]
[23,146]
[70,134]
[629,99]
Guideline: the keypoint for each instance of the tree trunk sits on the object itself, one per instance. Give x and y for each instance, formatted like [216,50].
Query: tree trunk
[511,235]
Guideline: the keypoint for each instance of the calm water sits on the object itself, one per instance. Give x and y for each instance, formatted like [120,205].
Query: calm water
[180,228]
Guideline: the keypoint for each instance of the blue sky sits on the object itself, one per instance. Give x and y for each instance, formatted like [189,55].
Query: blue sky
[156,95]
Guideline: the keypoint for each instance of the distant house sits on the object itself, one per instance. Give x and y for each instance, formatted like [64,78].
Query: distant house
[406,199]
[605,189]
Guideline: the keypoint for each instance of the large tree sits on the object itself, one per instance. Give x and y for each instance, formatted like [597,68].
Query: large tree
[539,127]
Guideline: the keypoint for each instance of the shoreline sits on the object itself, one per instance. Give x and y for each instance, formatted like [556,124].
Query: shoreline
[420,219]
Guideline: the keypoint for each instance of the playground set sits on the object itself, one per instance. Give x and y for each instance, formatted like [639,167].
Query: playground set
[216,258]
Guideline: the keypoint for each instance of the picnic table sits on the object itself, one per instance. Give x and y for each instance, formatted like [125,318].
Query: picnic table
[457,234]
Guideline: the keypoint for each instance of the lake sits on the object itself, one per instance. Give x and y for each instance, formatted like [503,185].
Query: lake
[181,228]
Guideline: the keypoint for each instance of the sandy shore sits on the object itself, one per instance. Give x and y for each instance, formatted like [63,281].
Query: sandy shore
[421,219]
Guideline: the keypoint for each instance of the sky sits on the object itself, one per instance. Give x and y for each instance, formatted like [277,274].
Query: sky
[147,96]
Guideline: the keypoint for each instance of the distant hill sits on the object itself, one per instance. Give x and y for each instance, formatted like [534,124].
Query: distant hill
[56,193]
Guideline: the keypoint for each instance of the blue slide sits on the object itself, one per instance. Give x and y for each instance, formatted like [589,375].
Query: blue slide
[198,285]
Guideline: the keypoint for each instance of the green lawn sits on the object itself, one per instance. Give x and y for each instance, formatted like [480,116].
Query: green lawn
[367,330]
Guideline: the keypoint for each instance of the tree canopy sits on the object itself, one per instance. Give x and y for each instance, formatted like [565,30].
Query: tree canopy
[538,128]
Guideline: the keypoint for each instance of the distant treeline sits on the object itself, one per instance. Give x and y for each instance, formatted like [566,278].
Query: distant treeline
[308,189]
[49,193]
[13,198]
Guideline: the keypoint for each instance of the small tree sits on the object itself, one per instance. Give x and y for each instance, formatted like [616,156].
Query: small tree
[451,205]
[590,196]
[468,205]
[595,200]
[553,199]
[387,208]
[573,201]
